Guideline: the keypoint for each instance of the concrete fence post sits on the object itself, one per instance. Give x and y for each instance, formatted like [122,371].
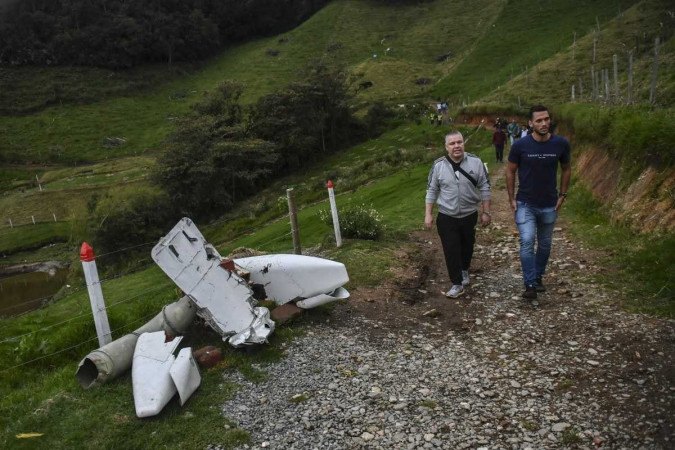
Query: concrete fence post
[95,294]
[334,212]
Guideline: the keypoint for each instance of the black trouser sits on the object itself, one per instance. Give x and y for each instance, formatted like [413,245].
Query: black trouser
[499,152]
[457,238]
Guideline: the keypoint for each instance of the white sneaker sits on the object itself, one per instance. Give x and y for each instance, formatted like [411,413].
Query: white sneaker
[465,278]
[455,291]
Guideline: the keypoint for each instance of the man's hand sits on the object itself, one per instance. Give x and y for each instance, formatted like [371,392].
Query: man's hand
[514,205]
[485,219]
[561,200]
[428,221]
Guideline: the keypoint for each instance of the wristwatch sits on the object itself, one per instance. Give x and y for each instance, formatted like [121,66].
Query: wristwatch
[562,194]
[486,212]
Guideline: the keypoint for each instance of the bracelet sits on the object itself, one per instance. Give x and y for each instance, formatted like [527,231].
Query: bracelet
[562,194]
[486,212]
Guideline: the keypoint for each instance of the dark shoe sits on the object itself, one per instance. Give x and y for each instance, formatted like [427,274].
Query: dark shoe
[530,292]
[539,286]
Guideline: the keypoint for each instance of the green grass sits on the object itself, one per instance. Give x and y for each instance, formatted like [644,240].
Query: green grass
[72,133]
[551,79]
[525,33]
[640,265]
[29,237]
[28,89]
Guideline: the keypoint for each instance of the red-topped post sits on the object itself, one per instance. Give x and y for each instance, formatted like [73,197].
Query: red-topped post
[88,259]
[334,213]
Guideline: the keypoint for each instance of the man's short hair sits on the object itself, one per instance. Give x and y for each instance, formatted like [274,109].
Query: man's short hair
[537,108]
[452,133]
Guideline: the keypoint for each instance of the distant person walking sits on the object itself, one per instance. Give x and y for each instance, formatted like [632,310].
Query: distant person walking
[525,131]
[513,130]
[535,159]
[459,184]
[499,140]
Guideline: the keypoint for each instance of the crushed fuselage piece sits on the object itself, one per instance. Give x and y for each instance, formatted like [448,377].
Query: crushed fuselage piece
[286,278]
[224,299]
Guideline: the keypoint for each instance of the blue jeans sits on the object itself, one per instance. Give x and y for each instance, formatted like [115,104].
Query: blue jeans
[534,222]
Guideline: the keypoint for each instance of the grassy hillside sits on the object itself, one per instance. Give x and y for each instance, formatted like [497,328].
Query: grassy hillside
[348,31]
[526,33]
[96,105]
[634,31]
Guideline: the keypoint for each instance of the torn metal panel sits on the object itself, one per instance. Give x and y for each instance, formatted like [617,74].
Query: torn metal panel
[152,383]
[287,278]
[321,299]
[224,299]
[185,374]
[113,359]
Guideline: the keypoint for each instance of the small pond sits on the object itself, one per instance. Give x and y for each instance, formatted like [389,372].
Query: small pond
[28,291]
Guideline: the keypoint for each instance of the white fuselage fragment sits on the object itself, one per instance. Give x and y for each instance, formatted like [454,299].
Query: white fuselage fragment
[224,299]
[157,374]
[288,278]
[185,374]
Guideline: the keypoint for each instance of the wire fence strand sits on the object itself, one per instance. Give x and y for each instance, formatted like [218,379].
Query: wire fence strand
[95,338]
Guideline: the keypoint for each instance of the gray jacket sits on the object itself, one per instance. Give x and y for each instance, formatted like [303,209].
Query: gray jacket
[454,193]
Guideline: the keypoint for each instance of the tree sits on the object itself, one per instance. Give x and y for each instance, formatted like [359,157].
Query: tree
[307,118]
[211,162]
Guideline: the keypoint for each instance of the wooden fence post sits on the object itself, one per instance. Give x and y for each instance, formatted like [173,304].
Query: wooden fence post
[574,45]
[655,70]
[629,99]
[615,60]
[293,214]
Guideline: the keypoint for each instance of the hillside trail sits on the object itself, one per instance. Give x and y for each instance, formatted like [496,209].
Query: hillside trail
[617,363]
[400,366]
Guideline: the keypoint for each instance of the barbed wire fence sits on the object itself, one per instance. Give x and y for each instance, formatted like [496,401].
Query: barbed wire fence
[85,316]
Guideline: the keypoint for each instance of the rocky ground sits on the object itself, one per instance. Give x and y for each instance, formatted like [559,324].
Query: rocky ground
[402,366]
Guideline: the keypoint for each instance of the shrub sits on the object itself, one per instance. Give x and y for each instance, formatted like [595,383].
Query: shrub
[356,222]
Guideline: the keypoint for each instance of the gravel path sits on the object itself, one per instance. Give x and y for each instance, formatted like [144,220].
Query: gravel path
[487,371]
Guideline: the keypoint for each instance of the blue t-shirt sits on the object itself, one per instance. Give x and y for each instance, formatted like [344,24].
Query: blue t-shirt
[538,167]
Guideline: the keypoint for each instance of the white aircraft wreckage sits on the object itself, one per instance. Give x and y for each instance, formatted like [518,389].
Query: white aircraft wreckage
[224,293]
[224,299]
[157,374]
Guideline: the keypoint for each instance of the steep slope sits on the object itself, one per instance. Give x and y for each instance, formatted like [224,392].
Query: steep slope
[633,31]
[525,34]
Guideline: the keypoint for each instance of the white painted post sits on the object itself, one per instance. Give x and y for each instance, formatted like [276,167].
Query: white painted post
[33,217]
[38,182]
[334,212]
[54,215]
[95,294]
[11,225]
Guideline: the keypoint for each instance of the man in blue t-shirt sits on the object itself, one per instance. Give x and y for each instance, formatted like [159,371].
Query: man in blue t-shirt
[536,158]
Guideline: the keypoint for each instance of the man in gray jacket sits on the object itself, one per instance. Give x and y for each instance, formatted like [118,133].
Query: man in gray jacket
[459,184]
